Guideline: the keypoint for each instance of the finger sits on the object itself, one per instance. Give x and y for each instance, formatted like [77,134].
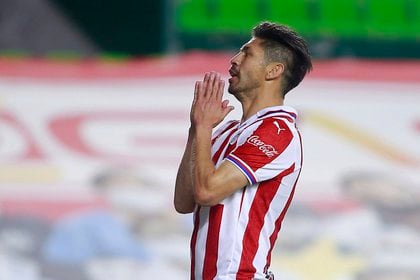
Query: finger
[207,76]
[225,103]
[211,84]
[205,85]
[216,85]
[196,90]
[220,89]
[226,109]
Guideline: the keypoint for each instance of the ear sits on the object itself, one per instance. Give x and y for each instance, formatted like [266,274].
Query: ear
[274,70]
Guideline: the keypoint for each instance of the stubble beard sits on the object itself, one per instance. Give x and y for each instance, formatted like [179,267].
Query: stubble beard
[237,92]
[240,92]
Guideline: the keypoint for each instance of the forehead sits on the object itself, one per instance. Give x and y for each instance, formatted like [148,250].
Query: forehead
[253,43]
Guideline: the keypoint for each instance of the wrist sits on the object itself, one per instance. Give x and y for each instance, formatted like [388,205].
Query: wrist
[202,128]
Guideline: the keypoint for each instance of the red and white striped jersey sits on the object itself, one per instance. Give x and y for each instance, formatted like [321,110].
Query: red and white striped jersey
[234,239]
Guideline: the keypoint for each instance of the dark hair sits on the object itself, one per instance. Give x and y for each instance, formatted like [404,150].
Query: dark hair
[284,45]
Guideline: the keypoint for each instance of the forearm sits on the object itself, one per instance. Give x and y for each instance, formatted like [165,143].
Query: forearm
[184,197]
[207,111]
[202,166]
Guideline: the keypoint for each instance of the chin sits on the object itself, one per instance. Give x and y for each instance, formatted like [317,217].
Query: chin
[236,93]
[232,89]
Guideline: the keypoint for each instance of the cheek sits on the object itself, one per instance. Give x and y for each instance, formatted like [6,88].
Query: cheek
[254,73]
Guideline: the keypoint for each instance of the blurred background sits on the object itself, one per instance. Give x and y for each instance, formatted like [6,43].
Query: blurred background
[94,114]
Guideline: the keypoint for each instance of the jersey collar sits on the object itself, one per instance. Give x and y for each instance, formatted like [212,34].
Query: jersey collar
[287,110]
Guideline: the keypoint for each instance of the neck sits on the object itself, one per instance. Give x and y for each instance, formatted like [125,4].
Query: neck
[251,104]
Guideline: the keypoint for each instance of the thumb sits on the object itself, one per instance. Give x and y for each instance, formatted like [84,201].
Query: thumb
[225,104]
[229,109]
[226,109]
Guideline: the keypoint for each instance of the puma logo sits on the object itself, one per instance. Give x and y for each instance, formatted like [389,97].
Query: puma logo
[279,129]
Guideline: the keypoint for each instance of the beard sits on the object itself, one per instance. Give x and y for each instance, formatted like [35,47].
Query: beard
[241,88]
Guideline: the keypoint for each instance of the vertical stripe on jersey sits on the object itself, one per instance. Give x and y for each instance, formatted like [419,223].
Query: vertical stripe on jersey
[194,241]
[212,243]
[273,237]
[259,208]
[215,213]
[242,200]
[278,223]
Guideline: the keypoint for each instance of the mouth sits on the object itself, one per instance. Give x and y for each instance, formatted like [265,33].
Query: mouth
[233,72]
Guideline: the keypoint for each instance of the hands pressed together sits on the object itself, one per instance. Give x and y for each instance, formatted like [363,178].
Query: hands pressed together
[208,109]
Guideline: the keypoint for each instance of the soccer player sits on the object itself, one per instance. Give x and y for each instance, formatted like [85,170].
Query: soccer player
[239,181]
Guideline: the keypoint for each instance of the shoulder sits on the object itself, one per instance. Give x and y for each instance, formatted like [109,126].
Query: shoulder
[274,133]
[272,127]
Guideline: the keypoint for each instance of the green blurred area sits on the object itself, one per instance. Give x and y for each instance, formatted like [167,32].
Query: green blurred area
[368,28]
[382,19]
[355,28]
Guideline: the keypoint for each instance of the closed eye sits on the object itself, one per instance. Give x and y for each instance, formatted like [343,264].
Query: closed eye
[245,50]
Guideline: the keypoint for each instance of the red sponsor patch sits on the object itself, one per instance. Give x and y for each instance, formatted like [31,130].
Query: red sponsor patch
[266,143]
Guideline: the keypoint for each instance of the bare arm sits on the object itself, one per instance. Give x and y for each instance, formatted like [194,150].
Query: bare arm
[184,198]
[184,201]
[198,180]
[211,184]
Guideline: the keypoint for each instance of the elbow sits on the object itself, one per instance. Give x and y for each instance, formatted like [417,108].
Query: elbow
[205,198]
[182,207]
[183,210]
[206,192]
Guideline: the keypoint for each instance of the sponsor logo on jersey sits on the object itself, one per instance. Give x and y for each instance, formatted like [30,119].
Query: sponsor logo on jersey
[268,150]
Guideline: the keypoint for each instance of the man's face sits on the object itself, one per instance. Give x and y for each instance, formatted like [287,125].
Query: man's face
[247,69]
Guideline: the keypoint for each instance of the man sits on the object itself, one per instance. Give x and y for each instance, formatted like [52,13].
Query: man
[240,180]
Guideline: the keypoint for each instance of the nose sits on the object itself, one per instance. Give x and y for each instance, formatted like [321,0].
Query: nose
[235,59]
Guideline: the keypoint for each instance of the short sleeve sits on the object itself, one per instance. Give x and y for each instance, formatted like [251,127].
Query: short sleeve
[262,154]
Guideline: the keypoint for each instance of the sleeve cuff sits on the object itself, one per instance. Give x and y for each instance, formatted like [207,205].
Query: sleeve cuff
[244,168]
